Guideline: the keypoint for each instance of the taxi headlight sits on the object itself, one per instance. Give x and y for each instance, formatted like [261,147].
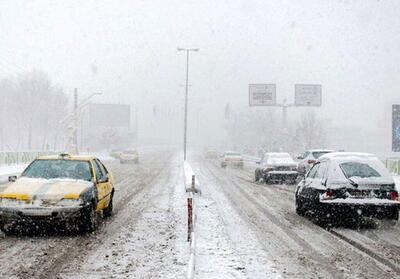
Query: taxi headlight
[70,202]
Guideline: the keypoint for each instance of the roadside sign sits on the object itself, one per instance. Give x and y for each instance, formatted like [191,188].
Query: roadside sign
[396,128]
[262,94]
[308,95]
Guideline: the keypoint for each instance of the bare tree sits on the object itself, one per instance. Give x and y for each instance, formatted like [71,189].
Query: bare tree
[31,113]
[310,132]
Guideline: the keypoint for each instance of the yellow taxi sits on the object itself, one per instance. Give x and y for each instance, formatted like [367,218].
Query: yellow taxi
[58,189]
[129,156]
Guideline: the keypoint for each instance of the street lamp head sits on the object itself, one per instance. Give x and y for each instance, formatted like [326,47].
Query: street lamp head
[187,49]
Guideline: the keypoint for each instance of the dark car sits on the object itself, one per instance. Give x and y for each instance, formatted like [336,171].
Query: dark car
[277,167]
[348,185]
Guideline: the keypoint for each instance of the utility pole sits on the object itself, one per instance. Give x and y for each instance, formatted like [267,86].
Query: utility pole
[188,50]
[75,121]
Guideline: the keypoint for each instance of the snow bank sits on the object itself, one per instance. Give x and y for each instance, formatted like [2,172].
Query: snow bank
[11,169]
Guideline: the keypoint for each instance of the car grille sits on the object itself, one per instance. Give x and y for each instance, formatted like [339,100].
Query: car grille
[283,168]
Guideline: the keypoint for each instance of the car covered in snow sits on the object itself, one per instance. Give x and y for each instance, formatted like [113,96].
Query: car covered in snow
[348,184]
[276,167]
[232,159]
[211,154]
[129,156]
[309,157]
[58,189]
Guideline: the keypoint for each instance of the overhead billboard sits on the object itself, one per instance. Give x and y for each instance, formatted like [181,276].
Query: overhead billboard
[396,128]
[308,95]
[109,115]
[262,94]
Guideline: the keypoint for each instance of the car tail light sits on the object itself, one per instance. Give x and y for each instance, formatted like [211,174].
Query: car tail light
[311,162]
[394,195]
[328,195]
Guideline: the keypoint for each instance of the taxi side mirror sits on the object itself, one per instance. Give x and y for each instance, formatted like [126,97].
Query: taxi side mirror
[12,178]
[104,179]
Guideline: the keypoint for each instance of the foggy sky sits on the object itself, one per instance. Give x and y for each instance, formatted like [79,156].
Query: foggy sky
[127,50]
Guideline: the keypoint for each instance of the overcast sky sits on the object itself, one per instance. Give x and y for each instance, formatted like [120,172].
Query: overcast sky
[127,50]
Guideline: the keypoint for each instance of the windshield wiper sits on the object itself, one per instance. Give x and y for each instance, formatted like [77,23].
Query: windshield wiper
[352,182]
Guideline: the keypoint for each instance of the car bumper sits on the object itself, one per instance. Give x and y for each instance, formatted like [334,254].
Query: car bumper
[362,207]
[281,175]
[40,214]
[233,163]
[133,159]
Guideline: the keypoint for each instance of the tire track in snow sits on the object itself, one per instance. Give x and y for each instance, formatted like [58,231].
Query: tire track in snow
[288,230]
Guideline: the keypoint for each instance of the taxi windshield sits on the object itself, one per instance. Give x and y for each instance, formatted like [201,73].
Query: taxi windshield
[61,168]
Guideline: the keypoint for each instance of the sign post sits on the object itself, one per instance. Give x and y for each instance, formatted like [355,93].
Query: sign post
[396,128]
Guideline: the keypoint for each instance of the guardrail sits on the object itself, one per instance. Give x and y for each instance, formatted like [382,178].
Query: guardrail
[8,158]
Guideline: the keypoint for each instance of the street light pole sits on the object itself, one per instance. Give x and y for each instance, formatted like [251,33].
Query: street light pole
[188,50]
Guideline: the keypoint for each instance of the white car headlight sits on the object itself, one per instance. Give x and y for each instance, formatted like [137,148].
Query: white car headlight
[11,202]
[70,202]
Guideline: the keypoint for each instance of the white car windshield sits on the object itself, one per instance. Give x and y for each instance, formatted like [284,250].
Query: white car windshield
[233,154]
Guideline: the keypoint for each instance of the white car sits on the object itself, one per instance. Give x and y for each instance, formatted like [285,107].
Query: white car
[308,158]
[232,158]
[277,167]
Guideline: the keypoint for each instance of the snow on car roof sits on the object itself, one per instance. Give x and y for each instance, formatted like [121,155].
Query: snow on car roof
[346,155]
[321,150]
[278,154]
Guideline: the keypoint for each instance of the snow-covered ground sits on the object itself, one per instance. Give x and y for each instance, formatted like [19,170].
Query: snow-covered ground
[243,230]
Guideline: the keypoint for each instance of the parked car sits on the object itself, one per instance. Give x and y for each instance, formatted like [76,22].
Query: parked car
[277,167]
[309,157]
[232,159]
[129,156]
[355,184]
[58,189]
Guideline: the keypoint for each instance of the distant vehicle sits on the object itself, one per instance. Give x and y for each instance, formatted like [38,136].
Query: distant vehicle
[115,153]
[277,167]
[350,184]
[129,156]
[232,159]
[308,158]
[58,189]
[211,154]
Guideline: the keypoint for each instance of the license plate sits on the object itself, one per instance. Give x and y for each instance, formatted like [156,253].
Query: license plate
[361,194]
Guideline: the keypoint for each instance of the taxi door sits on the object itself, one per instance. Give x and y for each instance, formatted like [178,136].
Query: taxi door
[103,186]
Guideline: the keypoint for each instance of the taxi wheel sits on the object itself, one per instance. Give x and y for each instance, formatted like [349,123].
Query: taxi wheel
[393,214]
[90,220]
[8,230]
[107,212]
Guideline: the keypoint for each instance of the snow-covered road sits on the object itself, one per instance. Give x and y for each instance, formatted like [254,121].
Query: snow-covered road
[266,238]
[243,230]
